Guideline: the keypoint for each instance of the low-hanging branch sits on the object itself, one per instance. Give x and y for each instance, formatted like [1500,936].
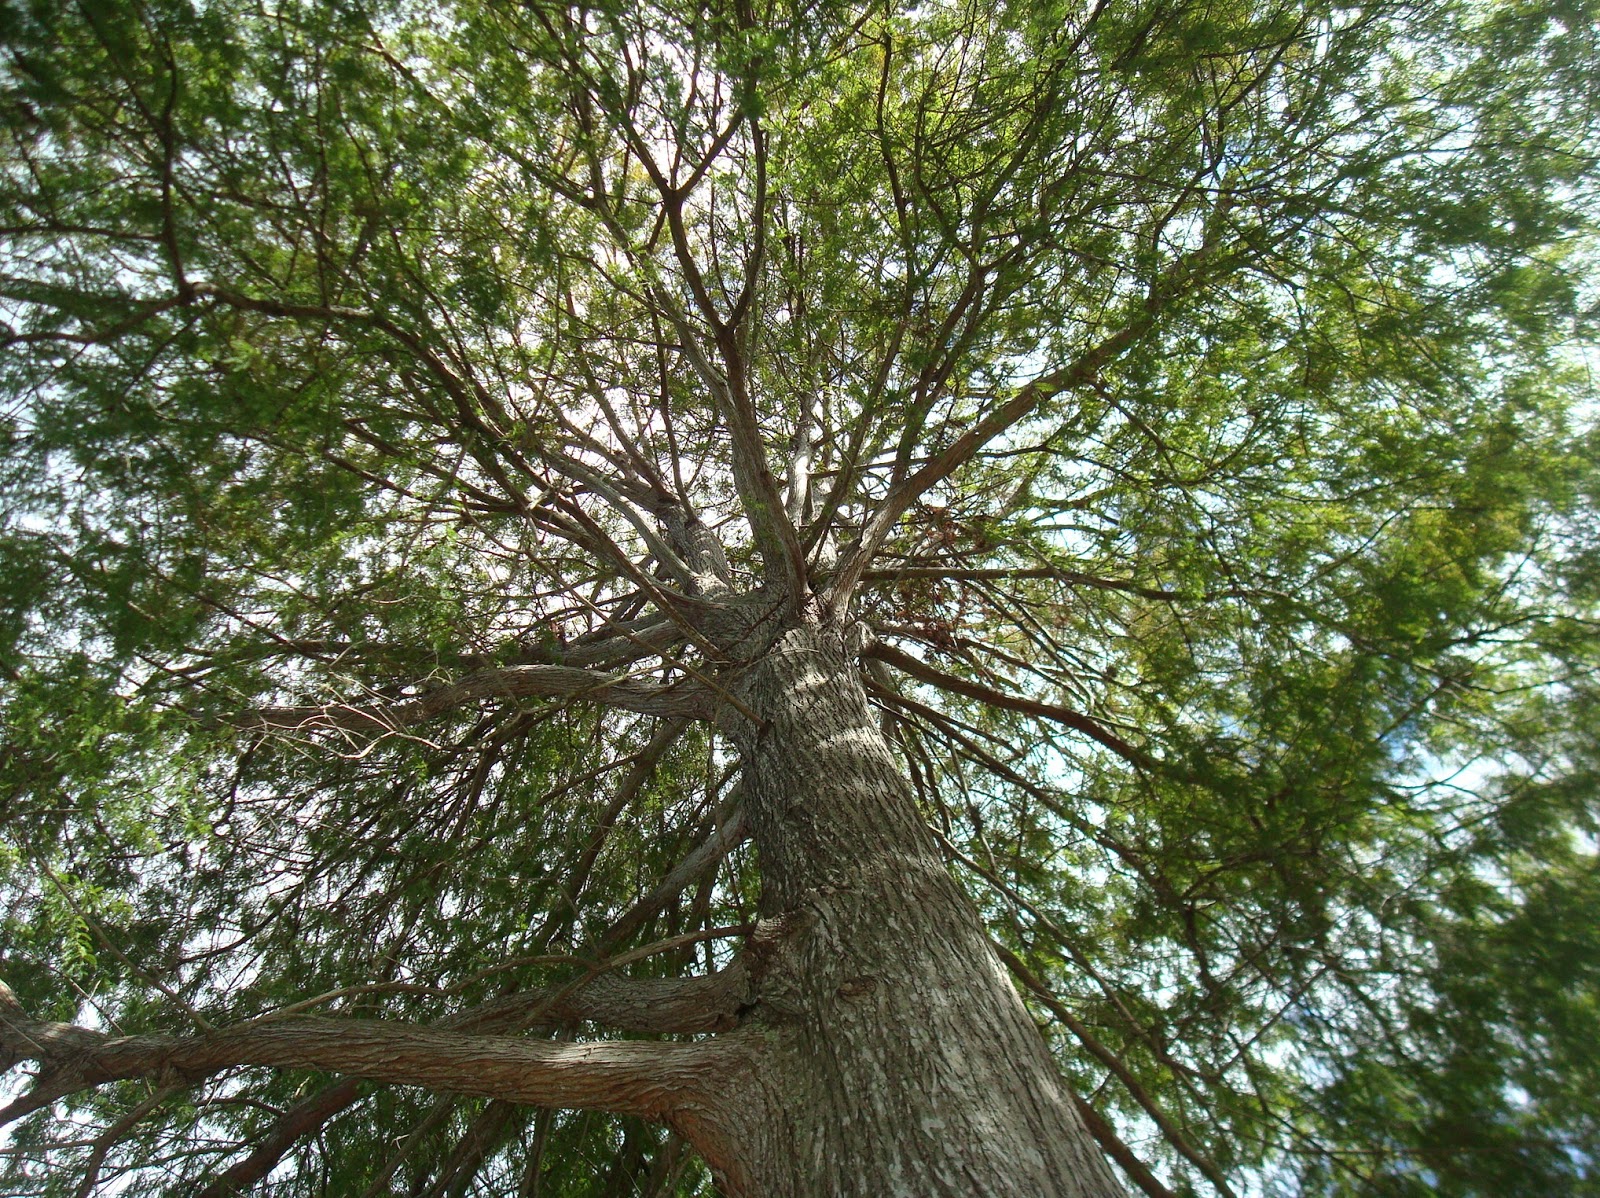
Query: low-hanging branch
[650,1005]
[649,1079]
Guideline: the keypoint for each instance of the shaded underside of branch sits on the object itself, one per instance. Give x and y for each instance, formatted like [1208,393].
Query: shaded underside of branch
[653,1005]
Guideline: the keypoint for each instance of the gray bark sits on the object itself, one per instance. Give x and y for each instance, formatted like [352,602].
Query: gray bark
[894,1056]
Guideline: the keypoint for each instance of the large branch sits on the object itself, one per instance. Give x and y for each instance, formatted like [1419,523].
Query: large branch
[1077,578]
[954,573]
[511,682]
[658,1005]
[652,1080]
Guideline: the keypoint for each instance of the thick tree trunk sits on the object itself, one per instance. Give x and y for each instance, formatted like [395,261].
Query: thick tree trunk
[894,1056]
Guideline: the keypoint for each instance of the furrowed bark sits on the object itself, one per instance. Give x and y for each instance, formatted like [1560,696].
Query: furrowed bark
[900,1060]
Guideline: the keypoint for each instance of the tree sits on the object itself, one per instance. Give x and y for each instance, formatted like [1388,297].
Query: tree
[591,580]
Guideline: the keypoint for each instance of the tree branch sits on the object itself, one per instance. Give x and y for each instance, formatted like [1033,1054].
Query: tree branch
[1085,369]
[1114,1147]
[1111,1061]
[940,467]
[107,1140]
[653,1005]
[1078,722]
[716,846]
[652,1080]
[299,1120]
[1017,573]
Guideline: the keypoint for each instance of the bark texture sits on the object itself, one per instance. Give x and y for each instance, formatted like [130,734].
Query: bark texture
[895,1056]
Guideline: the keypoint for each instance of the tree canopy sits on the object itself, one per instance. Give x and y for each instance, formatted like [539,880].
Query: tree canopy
[1190,407]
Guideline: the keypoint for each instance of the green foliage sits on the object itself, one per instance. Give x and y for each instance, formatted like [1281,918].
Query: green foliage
[323,326]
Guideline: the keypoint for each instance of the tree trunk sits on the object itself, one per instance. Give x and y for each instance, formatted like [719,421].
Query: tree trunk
[892,1055]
